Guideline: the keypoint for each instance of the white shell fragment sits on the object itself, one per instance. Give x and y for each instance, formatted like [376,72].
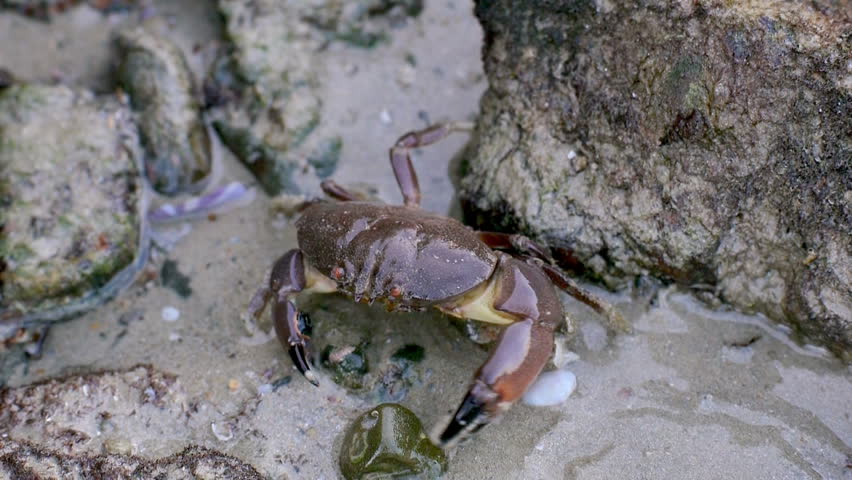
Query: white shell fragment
[551,388]
[170,314]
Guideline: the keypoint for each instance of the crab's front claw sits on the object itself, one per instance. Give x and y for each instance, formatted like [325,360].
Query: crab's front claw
[301,359]
[288,322]
[520,355]
[479,407]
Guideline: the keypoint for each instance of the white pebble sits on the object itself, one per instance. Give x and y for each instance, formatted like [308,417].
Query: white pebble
[551,388]
[170,314]
[385,116]
[222,432]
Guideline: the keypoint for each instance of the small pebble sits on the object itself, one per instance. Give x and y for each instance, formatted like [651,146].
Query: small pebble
[233,384]
[222,432]
[385,117]
[170,314]
[264,389]
[151,394]
[119,446]
[405,76]
[551,388]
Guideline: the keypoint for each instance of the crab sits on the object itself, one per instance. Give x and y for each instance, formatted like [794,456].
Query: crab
[410,260]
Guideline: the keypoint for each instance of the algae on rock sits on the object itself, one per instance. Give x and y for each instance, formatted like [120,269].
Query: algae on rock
[71,192]
[389,442]
[705,142]
[268,91]
[155,74]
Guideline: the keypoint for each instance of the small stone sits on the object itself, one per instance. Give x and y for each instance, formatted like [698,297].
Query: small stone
[389,442]
[155,75]
[385,117]
[170,314]
[405,76]
[119,446]
[233,384]
[222,432]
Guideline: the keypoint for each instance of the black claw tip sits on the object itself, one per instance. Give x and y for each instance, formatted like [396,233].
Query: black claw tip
[299,355]
[470,417]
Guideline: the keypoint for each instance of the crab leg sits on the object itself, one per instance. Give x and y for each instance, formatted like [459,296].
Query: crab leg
[288,279]
[615,321]
[400,156]
[337,191]
[515,242]
[290,276]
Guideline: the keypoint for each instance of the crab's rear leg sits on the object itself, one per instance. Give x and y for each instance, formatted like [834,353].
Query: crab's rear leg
[615,321]
[337,191]
[515,242]
[291,276]
[400,156]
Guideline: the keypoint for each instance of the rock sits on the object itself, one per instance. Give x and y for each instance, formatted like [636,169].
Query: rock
[77,414]
[388,442]
[6,78]
[708,142]
[46,9]
[155,74]
[25,460]
[268,90]
[276,79]
[109,424]
[73,231]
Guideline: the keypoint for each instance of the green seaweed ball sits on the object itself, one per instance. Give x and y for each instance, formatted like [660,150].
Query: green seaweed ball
[389,442]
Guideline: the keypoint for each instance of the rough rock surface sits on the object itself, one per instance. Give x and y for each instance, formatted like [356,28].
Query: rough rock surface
[706,142]
[87,426]
[22,460]
[155,74]
[273,83]
[71,198]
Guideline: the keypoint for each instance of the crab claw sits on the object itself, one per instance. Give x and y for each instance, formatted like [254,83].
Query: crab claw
[300,356]
[479,407]
[288,322]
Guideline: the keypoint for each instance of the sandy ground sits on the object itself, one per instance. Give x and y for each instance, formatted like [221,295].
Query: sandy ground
[693,393]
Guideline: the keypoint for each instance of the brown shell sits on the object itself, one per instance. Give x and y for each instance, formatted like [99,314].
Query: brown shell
[423,257]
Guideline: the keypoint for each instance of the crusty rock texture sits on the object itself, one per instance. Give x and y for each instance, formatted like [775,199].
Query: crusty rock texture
[23,460]
[108,425]
[706,142]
